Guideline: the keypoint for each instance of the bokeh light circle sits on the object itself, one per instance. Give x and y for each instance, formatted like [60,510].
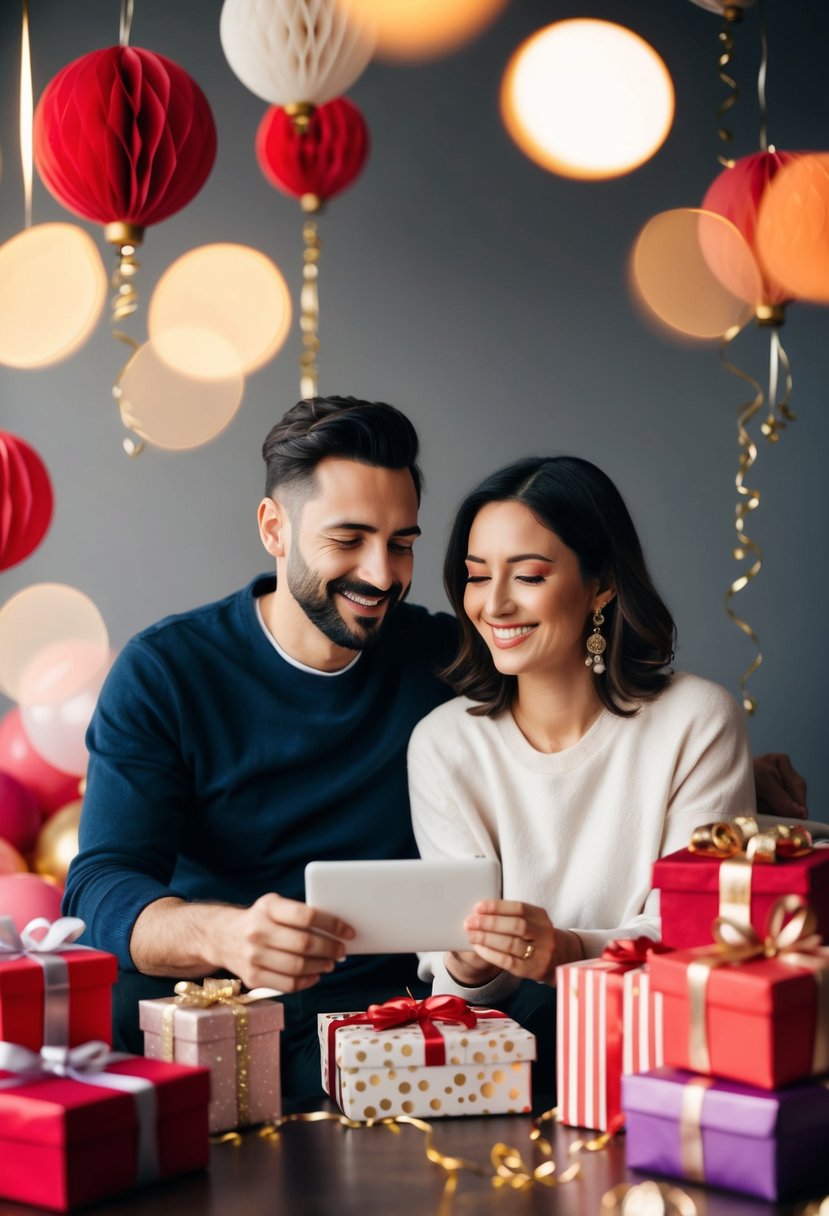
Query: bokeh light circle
[792,234]
[587,99]
[231,291]
[52,290]
[172,410]
[421,29]
[53,641]
[694,272]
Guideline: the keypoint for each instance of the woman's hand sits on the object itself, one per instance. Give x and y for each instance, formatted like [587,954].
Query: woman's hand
[519,938]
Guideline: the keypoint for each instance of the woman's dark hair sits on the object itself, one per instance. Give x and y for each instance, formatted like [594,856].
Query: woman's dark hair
[577,501]
[318,427]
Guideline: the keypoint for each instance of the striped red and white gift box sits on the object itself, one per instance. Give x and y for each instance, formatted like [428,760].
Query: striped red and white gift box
[608,1022]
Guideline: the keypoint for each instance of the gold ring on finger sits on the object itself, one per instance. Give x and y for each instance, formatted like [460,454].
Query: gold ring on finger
[528,953]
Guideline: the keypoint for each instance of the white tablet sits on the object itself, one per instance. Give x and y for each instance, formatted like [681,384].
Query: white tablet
[396,907]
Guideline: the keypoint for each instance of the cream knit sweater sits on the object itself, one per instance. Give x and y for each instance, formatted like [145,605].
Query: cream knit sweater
[577,831]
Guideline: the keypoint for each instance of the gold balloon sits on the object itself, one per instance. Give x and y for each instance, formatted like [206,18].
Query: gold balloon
[57,842]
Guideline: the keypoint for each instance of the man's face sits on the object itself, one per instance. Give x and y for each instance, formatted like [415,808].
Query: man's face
[350,556]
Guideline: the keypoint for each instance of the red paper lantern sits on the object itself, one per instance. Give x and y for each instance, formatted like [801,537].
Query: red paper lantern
[737,194]
[317,160]
[25,500]
[124,135]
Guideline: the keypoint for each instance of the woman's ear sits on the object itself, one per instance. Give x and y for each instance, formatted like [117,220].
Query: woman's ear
[603,597]
[274,526]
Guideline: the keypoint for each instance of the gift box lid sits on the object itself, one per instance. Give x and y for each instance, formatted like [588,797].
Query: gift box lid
[729,1106]
[687,871]
[211,1023]
[59,1112]
[88,969]
[492,1041]
[758,987]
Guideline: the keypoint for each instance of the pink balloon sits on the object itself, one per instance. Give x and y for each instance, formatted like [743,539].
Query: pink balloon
[52,788]
[19,813]
[10,860]
[25,896]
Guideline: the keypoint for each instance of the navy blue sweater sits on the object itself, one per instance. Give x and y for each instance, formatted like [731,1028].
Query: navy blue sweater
[217,770]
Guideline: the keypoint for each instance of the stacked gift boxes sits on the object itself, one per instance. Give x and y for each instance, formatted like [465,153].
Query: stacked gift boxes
[743,1099]
[78,1122]
[426,1059]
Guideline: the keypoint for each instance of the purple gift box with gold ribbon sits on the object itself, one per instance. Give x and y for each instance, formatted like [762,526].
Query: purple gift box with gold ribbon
[53,992]
[768,1143]
[736,870]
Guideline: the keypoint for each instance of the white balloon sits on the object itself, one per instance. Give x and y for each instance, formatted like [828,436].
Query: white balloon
[58,732]
[294,50]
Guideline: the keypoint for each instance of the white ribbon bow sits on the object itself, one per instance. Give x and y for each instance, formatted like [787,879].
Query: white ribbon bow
[59,935]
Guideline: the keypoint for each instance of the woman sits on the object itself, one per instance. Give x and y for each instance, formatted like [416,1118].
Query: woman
[573,753]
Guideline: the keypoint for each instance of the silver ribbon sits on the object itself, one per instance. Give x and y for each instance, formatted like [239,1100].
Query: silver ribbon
[87,1064]
[58,935]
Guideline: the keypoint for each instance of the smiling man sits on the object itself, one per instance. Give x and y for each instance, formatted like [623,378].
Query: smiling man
[237,742]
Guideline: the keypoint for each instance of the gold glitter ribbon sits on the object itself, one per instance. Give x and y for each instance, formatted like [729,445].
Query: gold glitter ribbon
[792,938]
[219,992]
[691,1155]
[731,15]
[740,843]
[310,306]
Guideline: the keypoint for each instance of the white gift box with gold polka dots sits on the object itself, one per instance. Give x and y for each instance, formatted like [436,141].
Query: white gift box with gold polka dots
[377,1074]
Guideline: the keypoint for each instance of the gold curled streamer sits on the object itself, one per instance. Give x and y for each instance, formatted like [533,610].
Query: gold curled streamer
[748,501]
[508,1168]
[647,1198]
[310,310]
[26,110]
[761,77]
[731,15]
[776,421]
[123,303]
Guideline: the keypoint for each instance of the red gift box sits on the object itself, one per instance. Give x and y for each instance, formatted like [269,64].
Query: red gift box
[694,889]
[756,1012]
[52,991]
[609,1022]
[66,1142]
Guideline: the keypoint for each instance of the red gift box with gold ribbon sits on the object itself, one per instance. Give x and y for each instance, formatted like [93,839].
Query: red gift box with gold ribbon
[737,870]
[425,1058]
[81,1124]
[53,991]
[748,1008]
[609,1022]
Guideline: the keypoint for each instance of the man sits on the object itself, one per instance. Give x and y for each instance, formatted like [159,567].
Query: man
[234,743]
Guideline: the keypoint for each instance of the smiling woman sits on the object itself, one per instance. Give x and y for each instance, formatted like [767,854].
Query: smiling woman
[575,774]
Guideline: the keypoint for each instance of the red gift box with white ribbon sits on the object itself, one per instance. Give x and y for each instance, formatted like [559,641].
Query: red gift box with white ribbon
[53,991]
[609,1022]
[81,1124]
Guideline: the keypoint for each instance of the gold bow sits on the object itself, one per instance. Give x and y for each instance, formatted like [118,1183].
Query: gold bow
[219,992]
[790,937]
[739,843]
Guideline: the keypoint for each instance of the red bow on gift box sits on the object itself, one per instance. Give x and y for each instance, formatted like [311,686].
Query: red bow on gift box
[403,1010]
[633,950]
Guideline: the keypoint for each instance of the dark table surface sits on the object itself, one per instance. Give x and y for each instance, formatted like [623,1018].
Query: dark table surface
[325,1169]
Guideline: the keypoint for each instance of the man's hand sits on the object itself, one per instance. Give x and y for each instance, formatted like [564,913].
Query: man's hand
[781,791]
[276,943]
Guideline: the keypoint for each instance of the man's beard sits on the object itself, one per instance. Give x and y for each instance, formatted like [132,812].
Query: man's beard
[317,601]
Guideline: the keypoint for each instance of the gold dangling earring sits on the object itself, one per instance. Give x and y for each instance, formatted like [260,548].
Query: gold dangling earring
[596,645]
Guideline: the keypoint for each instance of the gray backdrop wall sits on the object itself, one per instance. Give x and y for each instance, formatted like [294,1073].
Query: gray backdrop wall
[489,300]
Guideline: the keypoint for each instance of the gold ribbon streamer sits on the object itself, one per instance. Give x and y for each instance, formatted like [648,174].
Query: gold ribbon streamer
[780,412]
[731,15]
[123,303]
[748,501]
[310,309]
[647,1198]
[508,1168]
[26,111]
[793,941]
[219,992]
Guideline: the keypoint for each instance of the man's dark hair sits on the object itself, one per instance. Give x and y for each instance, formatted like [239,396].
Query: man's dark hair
[577,501]
[343,427]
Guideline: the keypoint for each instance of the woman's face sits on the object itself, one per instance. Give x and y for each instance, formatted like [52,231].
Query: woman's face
[525,594]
